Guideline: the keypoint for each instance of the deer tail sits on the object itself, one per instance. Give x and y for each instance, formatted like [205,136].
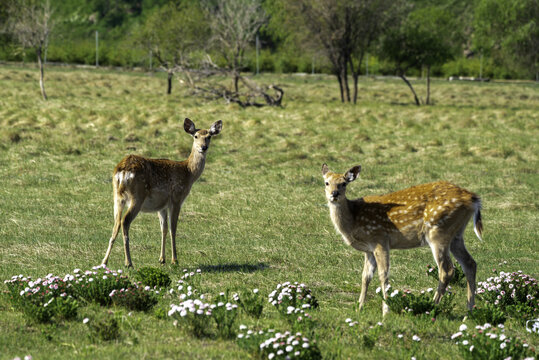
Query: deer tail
[477,222]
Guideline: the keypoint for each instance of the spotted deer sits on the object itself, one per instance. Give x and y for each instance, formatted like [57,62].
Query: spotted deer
[433,215]
[157,185]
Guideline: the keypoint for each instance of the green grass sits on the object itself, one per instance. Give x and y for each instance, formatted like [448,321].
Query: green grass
[257,216]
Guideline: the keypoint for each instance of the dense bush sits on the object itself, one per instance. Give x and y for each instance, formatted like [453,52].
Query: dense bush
[153,277]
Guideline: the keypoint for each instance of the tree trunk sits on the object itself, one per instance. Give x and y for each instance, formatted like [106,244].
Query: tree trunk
[236,81]
[428,85]
[345,81]
[355,74]
[41,73]
[340,85]
[356,78]
[411,88]
[169,79]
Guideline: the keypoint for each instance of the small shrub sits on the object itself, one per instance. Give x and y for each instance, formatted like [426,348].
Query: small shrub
[153,277]
[135,297]
[489,314]
[459,279]
[489,342]
[160,313]
[224,314]
[405,302]
[105,328]
[251,302]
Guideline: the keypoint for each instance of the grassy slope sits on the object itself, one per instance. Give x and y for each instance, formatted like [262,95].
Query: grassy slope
[257,216]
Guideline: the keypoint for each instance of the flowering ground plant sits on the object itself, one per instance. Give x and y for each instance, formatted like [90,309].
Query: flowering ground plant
[275,345]
[135,297]
[191,278]
[406,302]
[195,313]
[294,302]
[288,294]
[42,300]
[250,340]
[516,293]
[96,285]
[488,342]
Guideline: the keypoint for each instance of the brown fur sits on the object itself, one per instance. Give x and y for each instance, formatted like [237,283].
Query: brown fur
[433,214]
[157,185]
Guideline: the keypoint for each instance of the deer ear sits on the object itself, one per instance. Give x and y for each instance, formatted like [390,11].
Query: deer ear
[216,127]
[325,169]
[352,174]
[189,126]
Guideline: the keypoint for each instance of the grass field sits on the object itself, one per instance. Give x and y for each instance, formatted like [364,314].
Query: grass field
[257,216]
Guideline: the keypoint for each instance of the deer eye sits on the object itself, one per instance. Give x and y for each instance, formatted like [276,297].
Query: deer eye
[327,184]
[196,136]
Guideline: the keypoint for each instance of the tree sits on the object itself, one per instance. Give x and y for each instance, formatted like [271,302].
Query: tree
[328,27]
[509,31]
[426,37]
[369,20]
[30,23]
[345,30]
[234,24]
[172,34]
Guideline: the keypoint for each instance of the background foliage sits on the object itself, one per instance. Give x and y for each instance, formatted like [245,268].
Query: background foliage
[505,33]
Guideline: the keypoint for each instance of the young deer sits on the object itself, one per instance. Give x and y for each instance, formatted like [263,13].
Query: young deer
[434,214]
[157,185]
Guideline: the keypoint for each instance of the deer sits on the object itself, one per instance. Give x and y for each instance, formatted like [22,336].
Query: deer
[157,185]
[434,214]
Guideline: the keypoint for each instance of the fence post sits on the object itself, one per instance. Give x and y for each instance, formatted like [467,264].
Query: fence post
[257,54]
[96,48]
[367,65]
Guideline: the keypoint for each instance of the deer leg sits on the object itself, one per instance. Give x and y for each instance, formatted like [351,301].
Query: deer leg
[468,264]
[381,254]
[174,214]
[130,215]
[119,204]
[163,214]
[369,267]
[445,268]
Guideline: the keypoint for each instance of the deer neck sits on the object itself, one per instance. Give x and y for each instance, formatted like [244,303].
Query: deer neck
[195,163]
[341,216]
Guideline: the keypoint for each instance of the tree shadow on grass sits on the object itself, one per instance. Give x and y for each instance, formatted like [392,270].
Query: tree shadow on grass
[234,267]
